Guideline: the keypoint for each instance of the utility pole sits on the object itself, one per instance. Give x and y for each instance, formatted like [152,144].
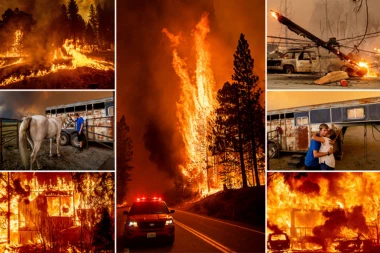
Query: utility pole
[327,24]
[286,30]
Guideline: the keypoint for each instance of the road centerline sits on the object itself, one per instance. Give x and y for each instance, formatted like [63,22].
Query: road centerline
[215,244]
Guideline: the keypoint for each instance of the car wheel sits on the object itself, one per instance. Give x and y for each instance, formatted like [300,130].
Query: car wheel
[289,69]
[75,142]
[64,140]
[171,240]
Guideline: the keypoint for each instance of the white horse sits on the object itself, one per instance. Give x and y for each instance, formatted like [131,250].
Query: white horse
[35,129]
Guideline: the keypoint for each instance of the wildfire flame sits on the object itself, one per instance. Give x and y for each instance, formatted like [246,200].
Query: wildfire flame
[369,73]
[196,102]
[274,14]
[77,60]
[323,207]
[61,200]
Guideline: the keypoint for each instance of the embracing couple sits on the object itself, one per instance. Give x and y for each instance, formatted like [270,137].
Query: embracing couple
[320,154]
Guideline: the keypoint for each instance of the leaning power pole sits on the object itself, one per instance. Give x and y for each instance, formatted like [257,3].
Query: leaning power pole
[286,30]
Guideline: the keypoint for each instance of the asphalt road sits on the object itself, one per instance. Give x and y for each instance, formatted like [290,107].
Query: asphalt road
[195,233]
[306,81]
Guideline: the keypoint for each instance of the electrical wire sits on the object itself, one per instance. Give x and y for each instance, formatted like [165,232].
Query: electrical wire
[366,27]
[373,134]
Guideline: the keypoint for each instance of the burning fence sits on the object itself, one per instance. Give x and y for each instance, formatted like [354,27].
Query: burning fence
[324,212]
[50,211]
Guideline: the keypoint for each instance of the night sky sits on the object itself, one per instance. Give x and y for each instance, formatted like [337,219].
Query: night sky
[147,85]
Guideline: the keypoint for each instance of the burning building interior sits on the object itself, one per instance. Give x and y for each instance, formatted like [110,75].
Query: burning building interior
[57,44]
[56,212]
[323,212]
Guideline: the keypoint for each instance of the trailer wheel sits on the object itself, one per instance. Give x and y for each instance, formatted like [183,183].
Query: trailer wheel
[64,140]
[273,149]
[289,69]
[74,140]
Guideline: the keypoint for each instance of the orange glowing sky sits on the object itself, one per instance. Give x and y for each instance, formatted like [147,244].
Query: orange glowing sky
[282,100]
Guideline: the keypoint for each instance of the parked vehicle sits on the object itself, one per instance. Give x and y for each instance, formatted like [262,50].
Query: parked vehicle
[304,61]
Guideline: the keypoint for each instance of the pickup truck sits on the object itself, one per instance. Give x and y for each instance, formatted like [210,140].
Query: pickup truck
[303,61]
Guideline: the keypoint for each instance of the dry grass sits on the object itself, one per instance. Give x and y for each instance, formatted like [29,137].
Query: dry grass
[80,78]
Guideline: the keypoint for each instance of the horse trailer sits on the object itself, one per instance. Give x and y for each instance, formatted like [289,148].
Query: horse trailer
[98,115]
[290,130]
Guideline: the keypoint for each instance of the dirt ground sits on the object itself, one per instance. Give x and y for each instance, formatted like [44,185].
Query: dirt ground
[95,157]
[353,152]
[306,81]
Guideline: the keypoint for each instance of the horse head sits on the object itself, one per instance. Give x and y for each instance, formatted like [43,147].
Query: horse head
[66,119]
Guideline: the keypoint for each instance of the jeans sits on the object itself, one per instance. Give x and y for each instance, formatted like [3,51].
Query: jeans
[324,166]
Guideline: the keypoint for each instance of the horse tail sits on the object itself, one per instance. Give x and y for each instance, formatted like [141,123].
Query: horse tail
[22,141]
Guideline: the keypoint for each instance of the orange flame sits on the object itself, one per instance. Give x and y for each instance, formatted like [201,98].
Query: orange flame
[369,73]
[60,200]
[296,205]
[196,103]
[77,60]
[274,14]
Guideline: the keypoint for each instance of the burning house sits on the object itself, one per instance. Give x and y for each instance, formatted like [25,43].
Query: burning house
[323,212]
[54,213]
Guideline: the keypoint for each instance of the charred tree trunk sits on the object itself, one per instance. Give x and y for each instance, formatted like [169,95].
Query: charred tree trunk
[241,151]
[251,123]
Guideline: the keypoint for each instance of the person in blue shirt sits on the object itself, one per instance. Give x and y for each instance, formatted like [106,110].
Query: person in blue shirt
[311,160]
[79,127]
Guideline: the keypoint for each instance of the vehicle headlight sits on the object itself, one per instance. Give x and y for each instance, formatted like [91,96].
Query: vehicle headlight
[169,222]
[133,224]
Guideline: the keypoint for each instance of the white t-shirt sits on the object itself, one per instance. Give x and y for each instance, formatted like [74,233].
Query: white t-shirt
[328,159]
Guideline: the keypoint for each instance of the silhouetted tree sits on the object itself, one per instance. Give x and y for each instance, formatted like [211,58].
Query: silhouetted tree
[252,110]
[103,233]
[90,36]
[73,15]
[235,124]
[124,158]
[15,21]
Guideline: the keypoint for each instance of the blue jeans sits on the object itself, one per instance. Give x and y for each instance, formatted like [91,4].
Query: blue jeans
[324,166]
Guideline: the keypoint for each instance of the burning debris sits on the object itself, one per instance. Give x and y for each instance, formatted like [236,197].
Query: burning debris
[326,212]
[49,212]
[45,49]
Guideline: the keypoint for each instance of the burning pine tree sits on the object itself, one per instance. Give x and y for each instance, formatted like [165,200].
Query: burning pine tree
[202,124]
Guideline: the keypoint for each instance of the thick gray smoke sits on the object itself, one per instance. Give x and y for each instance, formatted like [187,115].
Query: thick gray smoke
[15,105]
